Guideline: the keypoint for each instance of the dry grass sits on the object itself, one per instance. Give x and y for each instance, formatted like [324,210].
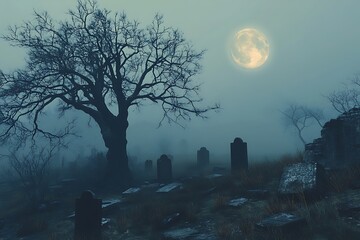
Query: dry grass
[226,231]
[31,226]
[220,202]
[343,179]
[262,173]
[145,212]
[276,205]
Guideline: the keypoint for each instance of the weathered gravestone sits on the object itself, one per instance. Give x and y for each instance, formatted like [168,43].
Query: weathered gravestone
[164,169]
[203,158]
[239,156]
[306,178]
[88,217]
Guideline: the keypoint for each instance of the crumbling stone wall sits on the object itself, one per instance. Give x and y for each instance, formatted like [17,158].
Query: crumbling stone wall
[339,145]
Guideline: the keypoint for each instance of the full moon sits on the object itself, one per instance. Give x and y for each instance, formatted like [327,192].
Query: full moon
[249,48]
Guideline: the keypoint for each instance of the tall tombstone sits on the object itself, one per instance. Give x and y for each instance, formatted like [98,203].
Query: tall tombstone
[164,169]
[88,217]
[239,156]
[203,158]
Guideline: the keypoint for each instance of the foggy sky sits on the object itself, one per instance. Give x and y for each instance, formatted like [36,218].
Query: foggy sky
[313,49]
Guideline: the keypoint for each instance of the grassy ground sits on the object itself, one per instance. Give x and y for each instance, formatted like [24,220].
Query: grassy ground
[202,204]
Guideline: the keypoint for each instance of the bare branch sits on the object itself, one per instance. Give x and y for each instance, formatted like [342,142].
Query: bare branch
[301,117]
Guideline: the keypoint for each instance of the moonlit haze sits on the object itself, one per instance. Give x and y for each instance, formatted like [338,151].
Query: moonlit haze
[303,50]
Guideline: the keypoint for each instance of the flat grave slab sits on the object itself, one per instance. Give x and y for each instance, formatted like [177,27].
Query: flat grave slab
[169,187]
[132,190]
[280,221]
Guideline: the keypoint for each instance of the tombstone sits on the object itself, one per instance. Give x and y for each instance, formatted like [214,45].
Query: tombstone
[164,169]
[306,178]
[239,156]
[88,217]
[202,158]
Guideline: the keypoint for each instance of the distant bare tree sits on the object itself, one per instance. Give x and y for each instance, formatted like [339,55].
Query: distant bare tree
[301,117]
[348,98]
[32,168]
[101,64]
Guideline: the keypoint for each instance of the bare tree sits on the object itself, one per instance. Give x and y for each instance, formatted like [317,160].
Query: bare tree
[101,64]
[32,168]
[347,98]
[301,117]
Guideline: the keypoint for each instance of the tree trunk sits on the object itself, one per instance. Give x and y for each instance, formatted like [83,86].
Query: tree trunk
[114,134]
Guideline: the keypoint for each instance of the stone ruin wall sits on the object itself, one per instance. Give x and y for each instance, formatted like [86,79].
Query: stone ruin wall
[339,144]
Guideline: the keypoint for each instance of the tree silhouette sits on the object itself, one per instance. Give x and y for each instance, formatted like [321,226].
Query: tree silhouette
[347,98]
[101,64]
[301,117]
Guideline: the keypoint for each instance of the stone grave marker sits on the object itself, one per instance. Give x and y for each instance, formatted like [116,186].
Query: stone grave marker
[88,217]
[164,169]
[306,178]
[203,158]
[239,156]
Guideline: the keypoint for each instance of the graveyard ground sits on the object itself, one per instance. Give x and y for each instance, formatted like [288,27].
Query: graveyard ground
[206,206]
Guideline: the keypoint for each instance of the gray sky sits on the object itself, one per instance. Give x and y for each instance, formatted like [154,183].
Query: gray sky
[313,49]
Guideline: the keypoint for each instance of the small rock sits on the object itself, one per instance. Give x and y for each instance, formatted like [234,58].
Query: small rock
[170,220]
[105,221]
[237,202]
